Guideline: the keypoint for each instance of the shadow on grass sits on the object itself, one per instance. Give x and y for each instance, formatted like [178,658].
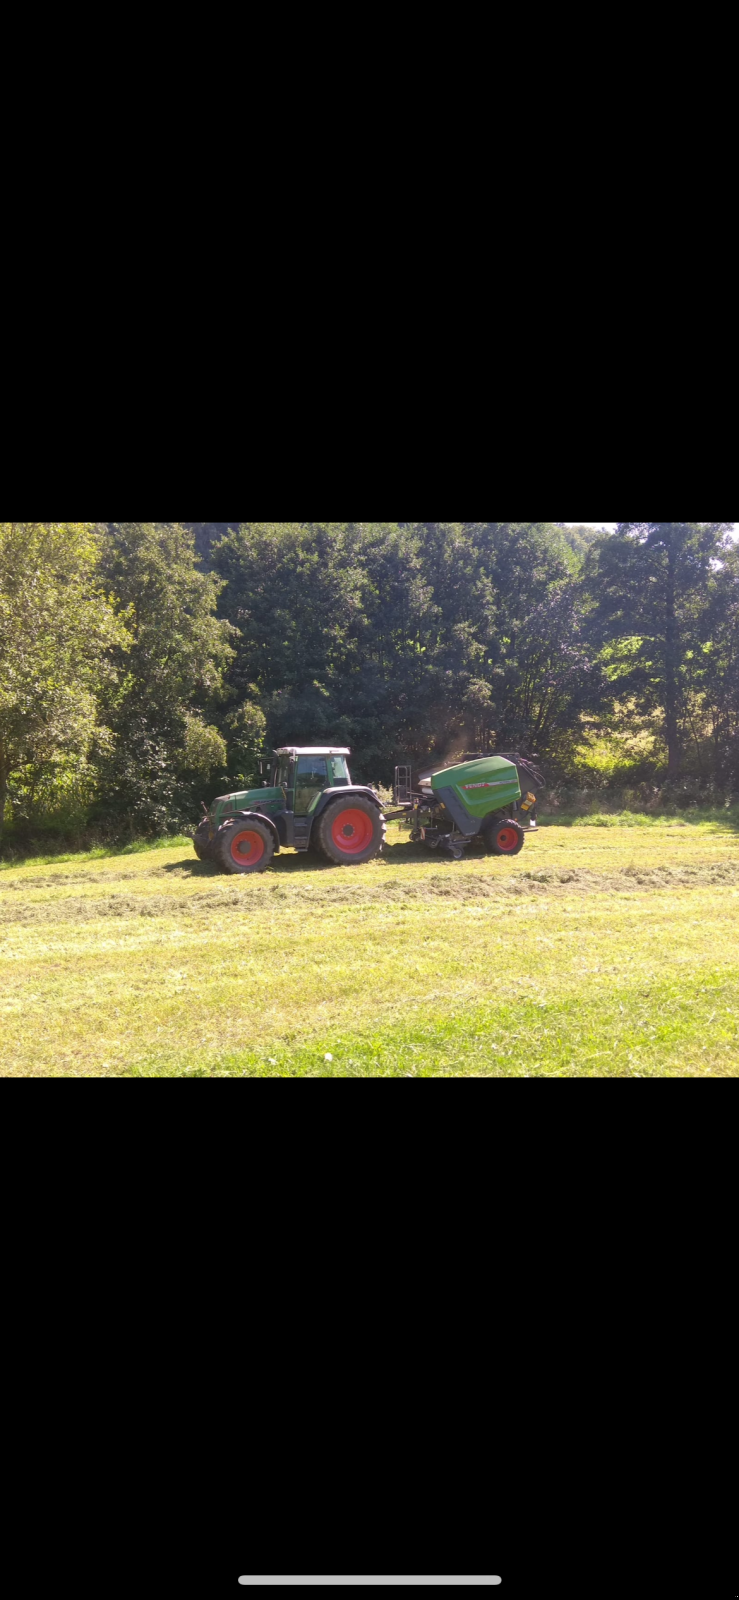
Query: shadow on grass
[403,854]
[192,868]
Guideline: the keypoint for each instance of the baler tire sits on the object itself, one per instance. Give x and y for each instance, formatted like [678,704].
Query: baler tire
[500,840]
[244,846]
[350,832]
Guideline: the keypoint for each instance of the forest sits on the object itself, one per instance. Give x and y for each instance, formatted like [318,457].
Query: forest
[145,666]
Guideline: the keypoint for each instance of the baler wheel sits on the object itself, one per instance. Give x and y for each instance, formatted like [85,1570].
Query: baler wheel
[350,831]
[505,838]
[244,846]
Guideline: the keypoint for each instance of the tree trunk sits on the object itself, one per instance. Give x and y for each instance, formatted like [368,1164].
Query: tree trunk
[671,666]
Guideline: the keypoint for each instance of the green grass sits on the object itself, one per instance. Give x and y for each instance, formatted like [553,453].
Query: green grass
[707,817]
[601,951]
[99,852]
[626,819]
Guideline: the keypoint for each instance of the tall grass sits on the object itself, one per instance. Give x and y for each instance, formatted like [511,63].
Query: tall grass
[700,816]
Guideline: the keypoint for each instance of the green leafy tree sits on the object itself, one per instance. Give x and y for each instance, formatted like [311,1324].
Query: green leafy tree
[203,748]
[207,534]
[295,593]
[403,640]
[651,586]
[170,680]
[547,680]
[580,538]
[61,648]
[246,728]
[712,669]
[334,624]
[509,640]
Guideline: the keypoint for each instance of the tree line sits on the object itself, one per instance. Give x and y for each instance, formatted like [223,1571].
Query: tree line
[144,666]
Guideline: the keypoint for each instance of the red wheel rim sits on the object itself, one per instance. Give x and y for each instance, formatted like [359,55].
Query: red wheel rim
[507,839]
[246,847]
[352,832]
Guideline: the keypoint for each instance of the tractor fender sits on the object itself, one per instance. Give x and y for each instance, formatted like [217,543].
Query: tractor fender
[253,816]
[341,793]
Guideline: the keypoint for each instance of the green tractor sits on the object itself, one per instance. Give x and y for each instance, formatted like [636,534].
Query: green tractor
[308,802]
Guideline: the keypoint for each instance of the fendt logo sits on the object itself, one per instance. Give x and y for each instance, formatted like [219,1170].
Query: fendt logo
[497,785]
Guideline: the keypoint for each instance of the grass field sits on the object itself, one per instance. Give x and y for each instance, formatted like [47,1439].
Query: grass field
[601,951]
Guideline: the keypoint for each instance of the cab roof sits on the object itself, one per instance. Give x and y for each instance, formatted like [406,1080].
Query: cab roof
[312,750]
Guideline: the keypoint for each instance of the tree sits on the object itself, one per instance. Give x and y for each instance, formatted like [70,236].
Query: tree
[58,636]
[335,621]
[509,633]
[580,538]
[246,730]
[207,534]
[713,668]
[547,679]
[403,640]
[172,674]
[650,585]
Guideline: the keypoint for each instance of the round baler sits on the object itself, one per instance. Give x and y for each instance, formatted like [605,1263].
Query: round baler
[481,798]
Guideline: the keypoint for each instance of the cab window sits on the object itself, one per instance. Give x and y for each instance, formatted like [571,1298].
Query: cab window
[311,778]
[338,776]
[282,775]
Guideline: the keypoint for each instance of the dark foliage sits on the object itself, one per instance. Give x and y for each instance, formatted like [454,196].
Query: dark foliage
[406,641]
[170,675]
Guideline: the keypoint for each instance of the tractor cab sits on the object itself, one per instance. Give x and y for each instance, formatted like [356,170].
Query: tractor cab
[305,773]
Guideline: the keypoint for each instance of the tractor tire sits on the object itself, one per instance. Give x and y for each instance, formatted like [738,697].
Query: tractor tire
[201,843]
[244,846]
[350,831]
[504,838]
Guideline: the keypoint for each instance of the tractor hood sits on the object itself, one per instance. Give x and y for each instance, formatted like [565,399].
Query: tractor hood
[245,800]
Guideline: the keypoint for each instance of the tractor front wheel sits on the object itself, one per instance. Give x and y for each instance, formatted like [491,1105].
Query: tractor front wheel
[505,838]
[350,831]
[201,843]
[244,846]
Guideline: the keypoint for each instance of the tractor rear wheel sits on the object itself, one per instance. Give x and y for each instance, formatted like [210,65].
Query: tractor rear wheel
[350,831]
[505,838]
[244,846]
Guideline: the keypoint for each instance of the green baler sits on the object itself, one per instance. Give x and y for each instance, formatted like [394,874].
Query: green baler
[485,798]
